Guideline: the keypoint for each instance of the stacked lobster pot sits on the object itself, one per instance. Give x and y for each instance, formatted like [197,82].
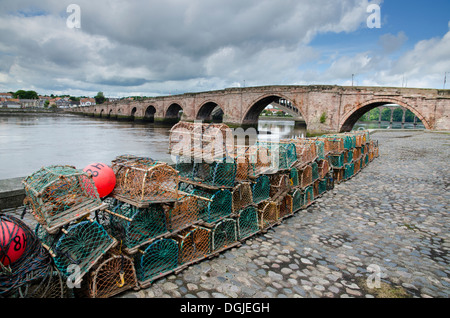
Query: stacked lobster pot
[162,218]
[64,202]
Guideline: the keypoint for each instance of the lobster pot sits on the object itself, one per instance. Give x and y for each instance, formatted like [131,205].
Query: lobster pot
[144,181]
[112,275]
[324,168]
[337,160]
[159,258]
[293,178]
[320,187]
[309,195]
[212,174]
[218,206]
[320,149]
[247,222]
[357,165]
[315,170]
[242,196]
[135,226]
[356,152]
[332,144]
[268,214]
[245,169]
[261,189]
[57,195]
[330,180]
[200,140]
[282,154]
[80,247]
[348,156]
[183,213]
[260,161]
[194,243]
[33,274]
[279,183]
[305,176]
[285,207]
[349,171]
[306,150]
[298,198]
[376,151]
[366,159]
[224,234]
[338,175]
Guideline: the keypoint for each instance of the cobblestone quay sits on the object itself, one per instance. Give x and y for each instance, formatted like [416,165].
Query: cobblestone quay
[384,233]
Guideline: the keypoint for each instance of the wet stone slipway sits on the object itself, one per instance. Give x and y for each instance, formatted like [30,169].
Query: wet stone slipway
[383,233]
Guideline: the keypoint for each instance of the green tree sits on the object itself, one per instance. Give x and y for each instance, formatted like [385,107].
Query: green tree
[23,94]
[100,98]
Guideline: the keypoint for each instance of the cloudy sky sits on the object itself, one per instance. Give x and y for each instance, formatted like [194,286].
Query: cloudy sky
[152,47]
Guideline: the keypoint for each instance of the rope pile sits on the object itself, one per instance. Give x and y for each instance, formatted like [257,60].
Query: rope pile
[162,218]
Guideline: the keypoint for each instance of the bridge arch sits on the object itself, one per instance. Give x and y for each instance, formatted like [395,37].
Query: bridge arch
[174,112]
[149,114]
[133,113]
[101,113]
[210,111]
[352,116]
[255,108]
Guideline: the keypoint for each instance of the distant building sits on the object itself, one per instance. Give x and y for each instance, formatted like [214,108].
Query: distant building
[6,95]
[87,102]
[10,103]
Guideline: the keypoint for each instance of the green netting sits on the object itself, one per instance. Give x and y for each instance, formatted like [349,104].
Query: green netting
[315,170]
[308,195]
[298,200]
[348,156]
[282,154]
[82,245]
[217,173]
[320,149]
[247,222]
[349,170]
[141,225]
[219,206]
[57,195]
[293,177]
[261,189]
[224,234]
[322,187]
[337,160]
[157,259]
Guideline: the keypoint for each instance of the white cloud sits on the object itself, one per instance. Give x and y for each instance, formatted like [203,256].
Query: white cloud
[161,47]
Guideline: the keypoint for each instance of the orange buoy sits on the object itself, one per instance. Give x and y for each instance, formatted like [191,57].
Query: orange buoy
[103,177]
[13,242]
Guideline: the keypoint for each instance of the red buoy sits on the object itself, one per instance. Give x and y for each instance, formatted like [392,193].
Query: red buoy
[13,242]
[103,177]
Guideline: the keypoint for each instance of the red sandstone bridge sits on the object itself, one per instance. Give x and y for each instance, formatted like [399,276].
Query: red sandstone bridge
[323,108]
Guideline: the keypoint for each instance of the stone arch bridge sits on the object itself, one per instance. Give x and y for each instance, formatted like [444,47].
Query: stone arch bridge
[323,108]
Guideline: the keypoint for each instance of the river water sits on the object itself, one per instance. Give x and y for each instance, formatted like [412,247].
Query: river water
[30,142]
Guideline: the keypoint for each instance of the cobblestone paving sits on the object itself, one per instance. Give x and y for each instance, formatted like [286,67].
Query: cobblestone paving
[386,228]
